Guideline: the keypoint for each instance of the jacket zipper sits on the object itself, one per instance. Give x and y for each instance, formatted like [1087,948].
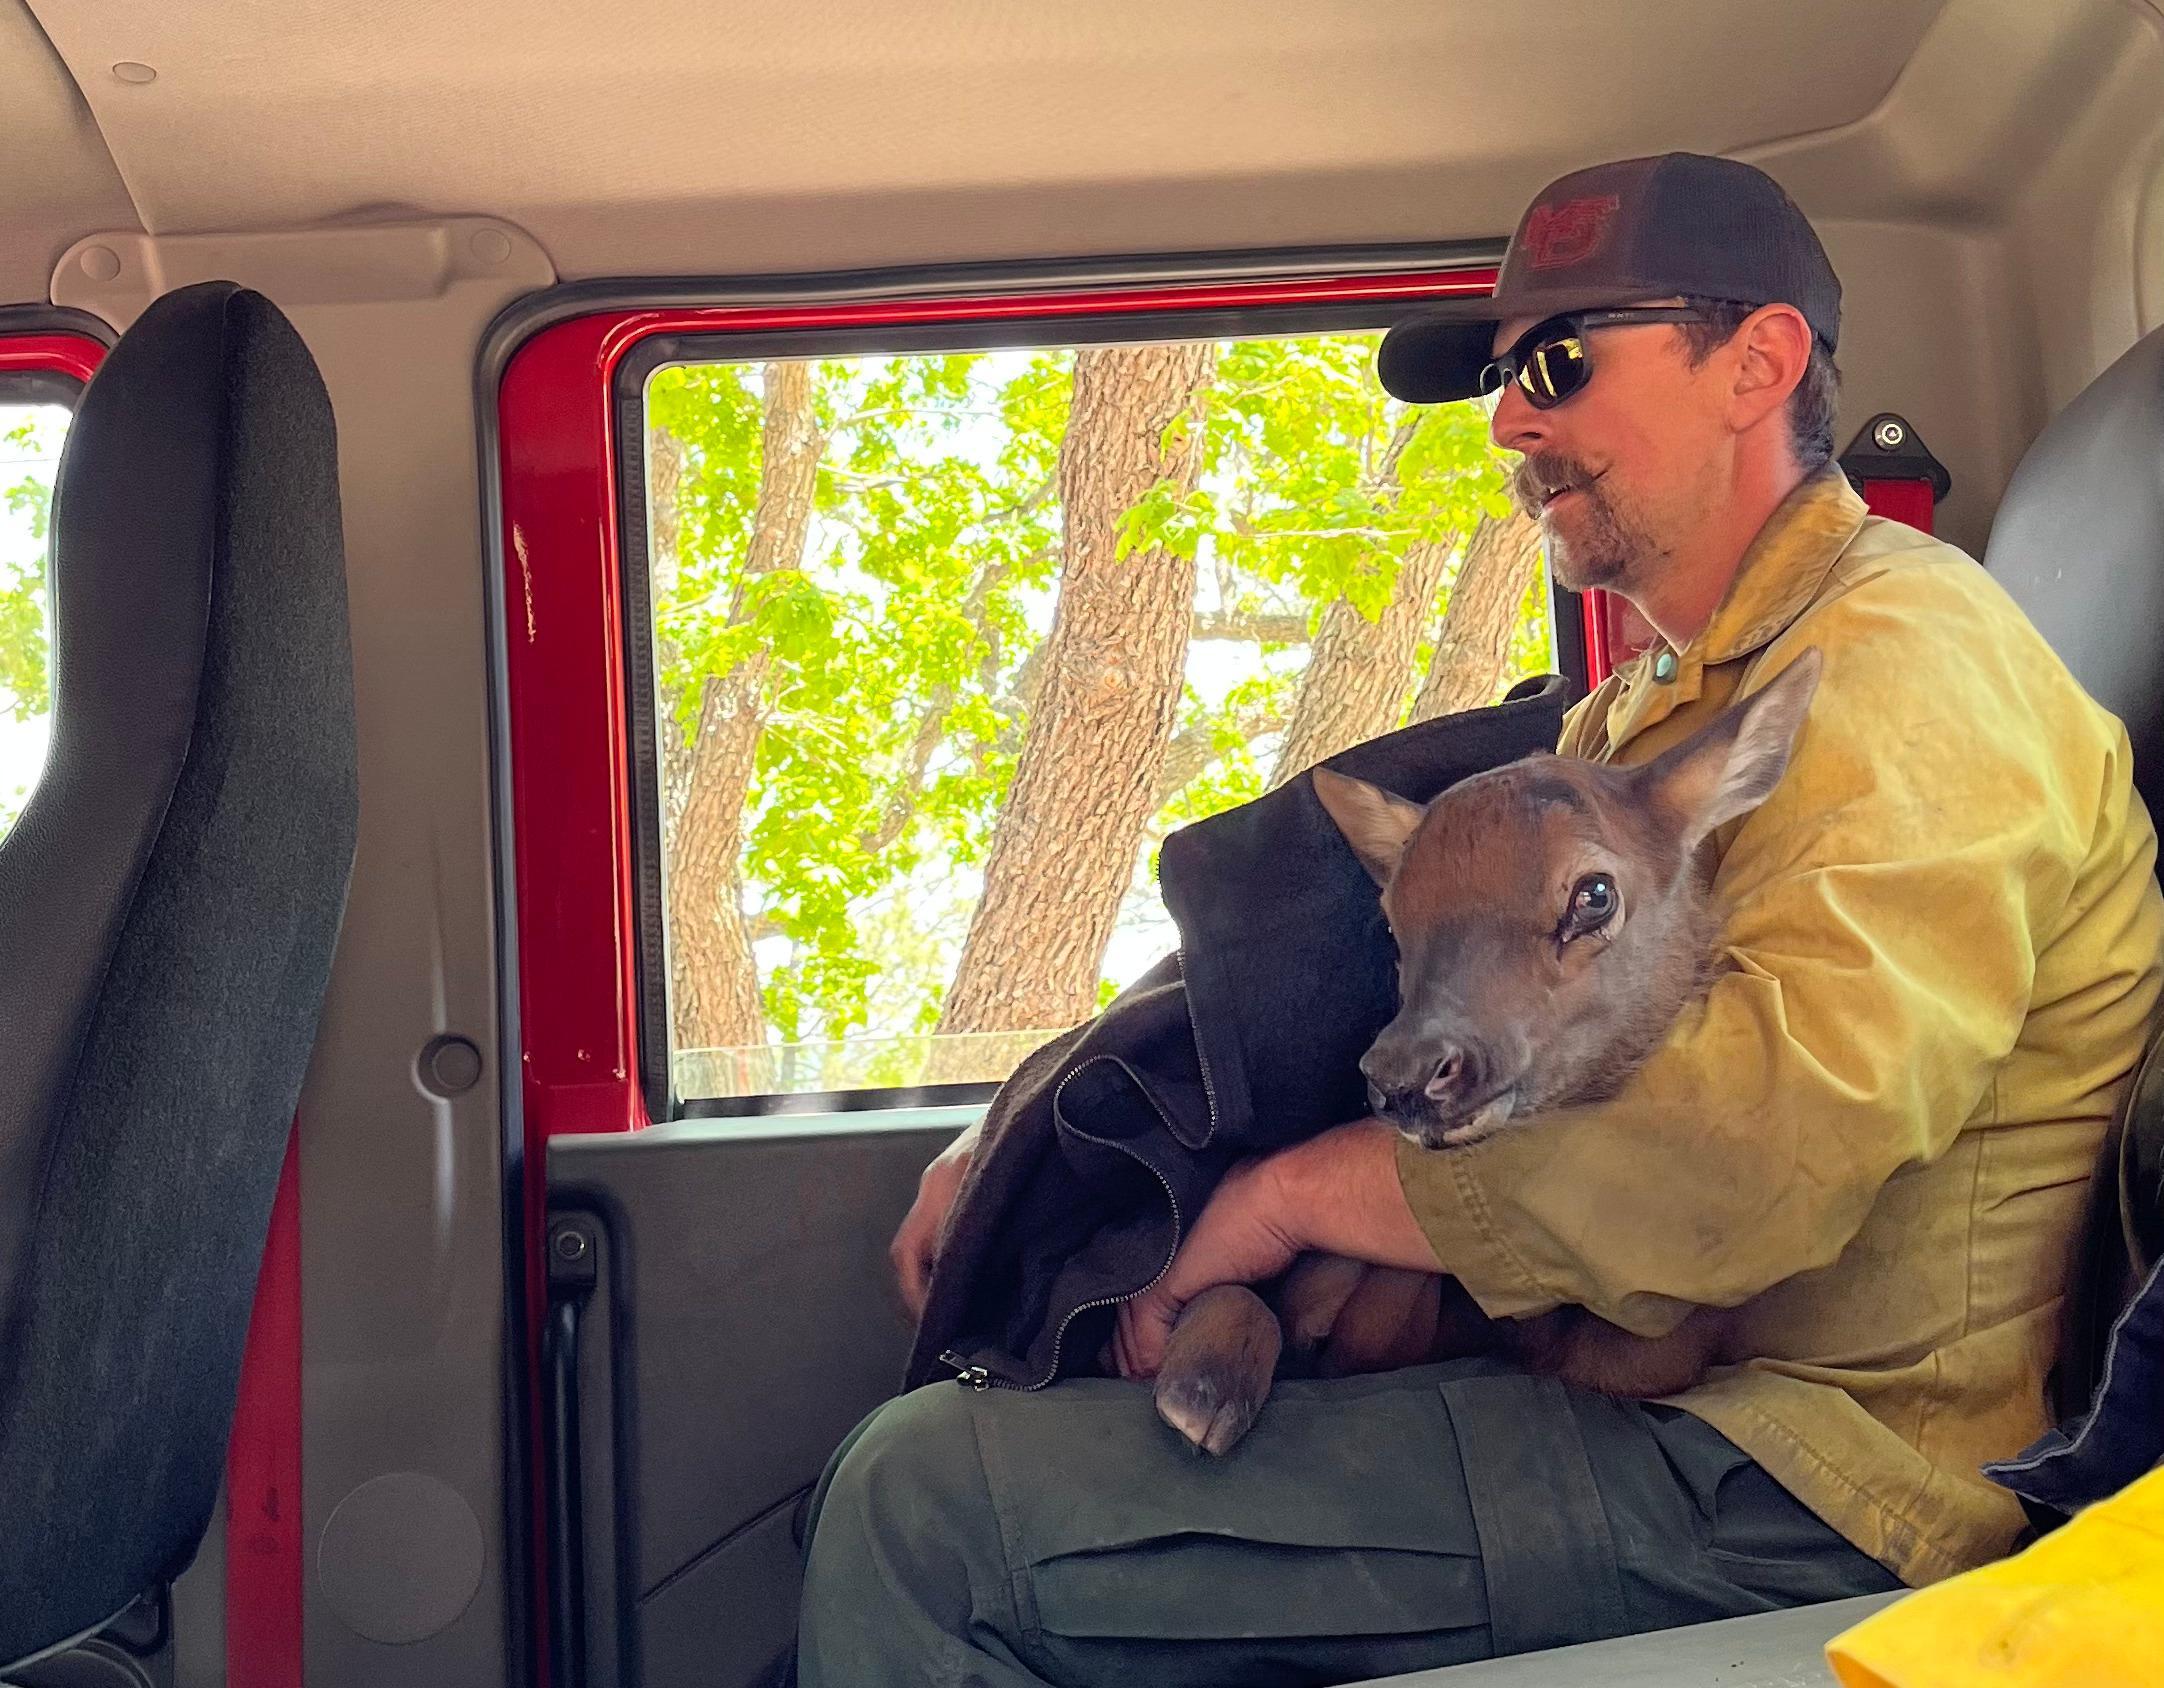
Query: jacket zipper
[1202,1058]
[979,1378]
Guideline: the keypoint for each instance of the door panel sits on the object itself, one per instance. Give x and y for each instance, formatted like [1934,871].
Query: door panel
[740,1321]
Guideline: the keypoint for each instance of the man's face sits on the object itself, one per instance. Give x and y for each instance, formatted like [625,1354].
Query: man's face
[1621,471]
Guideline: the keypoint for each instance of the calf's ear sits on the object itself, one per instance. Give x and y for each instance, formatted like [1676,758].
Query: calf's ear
[1375,822]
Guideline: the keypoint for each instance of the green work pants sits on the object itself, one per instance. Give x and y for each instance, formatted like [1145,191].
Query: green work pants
[1365,1526]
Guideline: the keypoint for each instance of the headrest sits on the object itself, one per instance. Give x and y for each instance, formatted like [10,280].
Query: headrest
[135,534]
[2079,542]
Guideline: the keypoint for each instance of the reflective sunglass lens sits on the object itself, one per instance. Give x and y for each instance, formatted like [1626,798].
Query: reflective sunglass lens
[1553,370]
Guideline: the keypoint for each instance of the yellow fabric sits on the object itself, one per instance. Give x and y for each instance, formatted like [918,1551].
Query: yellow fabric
[1942,943]
[2084,1606]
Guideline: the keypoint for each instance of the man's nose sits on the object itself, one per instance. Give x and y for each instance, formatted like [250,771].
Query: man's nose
[1514,424]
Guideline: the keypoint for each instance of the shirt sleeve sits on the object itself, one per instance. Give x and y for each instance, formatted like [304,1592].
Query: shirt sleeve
[1877,920]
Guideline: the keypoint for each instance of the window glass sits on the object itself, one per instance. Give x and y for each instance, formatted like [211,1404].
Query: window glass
[946,643]
[30,436]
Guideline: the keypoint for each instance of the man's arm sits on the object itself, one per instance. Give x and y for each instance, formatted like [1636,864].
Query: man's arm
[916,1242]
[1338,1193]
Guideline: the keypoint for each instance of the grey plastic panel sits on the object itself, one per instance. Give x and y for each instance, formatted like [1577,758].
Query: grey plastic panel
[745,1592]
[1769,1650]
[743,1324]
[199,1610]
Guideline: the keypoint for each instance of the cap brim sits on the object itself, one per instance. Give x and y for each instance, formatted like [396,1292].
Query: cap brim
[1437,356]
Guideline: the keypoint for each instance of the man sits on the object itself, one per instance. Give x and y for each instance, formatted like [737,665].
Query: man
[1941,940]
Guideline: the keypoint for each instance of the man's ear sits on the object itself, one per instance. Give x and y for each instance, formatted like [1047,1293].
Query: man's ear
[1730,766]
[1376,823]
[1775,341]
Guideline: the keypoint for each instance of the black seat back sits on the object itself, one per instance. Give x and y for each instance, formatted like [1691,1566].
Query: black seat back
[2079,542]
[169,901]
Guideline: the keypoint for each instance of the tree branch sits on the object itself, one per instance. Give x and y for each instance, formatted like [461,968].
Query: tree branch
[1250,627]
[890,410]
[1381,536]
[1029,503]
[1387,476]
[902,800]
[1193,749]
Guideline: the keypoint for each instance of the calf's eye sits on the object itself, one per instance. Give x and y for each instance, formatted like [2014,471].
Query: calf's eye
[1594,903]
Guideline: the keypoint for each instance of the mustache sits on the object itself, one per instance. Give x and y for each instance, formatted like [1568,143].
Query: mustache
[1542,474]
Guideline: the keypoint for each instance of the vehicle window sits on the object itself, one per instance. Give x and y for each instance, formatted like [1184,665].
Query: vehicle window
[945,644]
[30,436]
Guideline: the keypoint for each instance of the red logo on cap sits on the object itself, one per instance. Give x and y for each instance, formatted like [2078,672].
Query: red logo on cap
[1558,236]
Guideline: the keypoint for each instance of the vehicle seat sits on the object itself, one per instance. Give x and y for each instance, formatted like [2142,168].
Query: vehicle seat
[169,901]
[2079,542]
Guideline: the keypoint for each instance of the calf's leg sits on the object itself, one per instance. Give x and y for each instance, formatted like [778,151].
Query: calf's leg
[1218,1366]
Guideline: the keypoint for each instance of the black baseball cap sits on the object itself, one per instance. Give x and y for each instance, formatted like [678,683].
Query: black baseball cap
[1622,234]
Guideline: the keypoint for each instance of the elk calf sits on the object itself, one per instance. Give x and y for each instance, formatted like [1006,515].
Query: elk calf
[1552,920]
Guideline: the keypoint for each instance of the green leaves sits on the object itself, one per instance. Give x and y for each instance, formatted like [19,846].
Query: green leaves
[24,691]
[30,438]
[1166,521]
[29,457]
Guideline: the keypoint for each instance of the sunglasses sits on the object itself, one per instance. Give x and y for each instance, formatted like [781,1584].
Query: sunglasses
[1550,361]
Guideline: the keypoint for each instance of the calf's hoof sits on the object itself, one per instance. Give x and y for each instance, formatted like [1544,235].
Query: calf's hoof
[1218,1365]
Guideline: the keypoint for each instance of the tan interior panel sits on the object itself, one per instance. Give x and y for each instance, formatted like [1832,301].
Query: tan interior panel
[581,125]
[56,178]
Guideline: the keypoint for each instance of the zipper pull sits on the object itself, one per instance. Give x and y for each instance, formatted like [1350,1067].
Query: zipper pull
[972,1377]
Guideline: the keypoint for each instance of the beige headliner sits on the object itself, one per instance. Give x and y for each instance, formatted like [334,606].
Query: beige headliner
[680,135]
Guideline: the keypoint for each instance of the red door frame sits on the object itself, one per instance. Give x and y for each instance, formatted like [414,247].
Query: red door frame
[75,356]
[265,1552]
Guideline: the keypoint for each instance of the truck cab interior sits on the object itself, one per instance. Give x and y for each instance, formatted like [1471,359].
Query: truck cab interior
[496,891]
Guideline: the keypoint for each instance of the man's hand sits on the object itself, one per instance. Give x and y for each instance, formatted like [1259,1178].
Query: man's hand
[917,1241]
[1242,1237]
[1338,1192]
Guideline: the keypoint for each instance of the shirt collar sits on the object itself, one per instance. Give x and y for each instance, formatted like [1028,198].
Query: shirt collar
[1785,566]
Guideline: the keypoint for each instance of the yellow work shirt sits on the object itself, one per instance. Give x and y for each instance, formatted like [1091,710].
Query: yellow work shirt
[1941,940]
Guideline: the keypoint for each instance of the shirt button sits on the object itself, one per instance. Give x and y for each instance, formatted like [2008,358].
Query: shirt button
[1664,667]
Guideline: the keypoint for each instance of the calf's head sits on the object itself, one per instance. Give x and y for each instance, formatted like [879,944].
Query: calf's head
[1550,918]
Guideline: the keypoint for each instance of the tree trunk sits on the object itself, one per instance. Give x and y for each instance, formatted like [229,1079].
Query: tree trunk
[1114,661]
[1471,664]
[664,528]
[715,978]
[1360,670]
